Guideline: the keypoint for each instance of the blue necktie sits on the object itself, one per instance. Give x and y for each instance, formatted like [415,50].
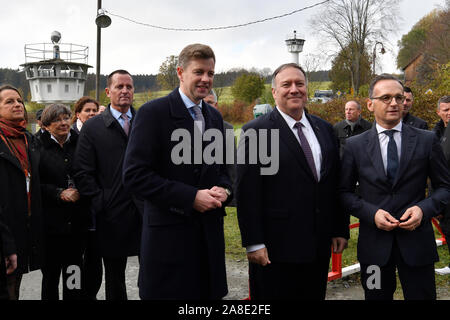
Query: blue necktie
[392,156]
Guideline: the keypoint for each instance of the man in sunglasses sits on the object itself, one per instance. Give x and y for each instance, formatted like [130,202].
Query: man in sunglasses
[408,118]
[391,162]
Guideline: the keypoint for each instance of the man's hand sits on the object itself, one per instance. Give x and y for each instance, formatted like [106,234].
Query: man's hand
[412,218]
[11,263]
[384,221]
[339,244]
[220,193]
[70,195]
[206,200]
[260,257]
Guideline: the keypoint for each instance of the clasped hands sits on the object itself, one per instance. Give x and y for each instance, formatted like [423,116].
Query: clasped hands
[410,220]
[208,199]
[70,195]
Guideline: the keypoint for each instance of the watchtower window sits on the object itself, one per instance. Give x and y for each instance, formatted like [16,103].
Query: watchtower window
[30,73]
[49,88]
[46,71]
[66,88]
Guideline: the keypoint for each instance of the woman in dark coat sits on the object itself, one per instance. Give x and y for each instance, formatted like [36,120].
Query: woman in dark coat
[65,212]
[20,197]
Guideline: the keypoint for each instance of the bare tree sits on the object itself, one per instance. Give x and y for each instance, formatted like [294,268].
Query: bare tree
[356,25]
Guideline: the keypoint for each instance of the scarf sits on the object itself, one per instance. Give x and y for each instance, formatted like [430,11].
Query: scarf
[13,135]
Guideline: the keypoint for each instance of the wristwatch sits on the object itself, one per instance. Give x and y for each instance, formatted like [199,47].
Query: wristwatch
[228,192]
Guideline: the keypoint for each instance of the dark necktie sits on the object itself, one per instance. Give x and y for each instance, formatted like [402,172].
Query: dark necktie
[126,123]
[392,156]
[198,117]
[306,149]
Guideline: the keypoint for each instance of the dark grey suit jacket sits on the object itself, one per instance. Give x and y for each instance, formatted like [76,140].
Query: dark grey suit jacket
[421,158]
[413,121]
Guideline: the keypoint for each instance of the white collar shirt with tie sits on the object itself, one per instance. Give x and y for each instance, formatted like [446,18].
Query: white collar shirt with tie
[310,136]
[384,140]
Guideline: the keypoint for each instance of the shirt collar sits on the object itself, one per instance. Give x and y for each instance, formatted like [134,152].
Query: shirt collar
[53,138]
[116,114]
[398,128]
[188,102]
[291,121]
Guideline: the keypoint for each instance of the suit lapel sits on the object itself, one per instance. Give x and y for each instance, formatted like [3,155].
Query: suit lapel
[180,114]
[409,141]
[109,120]
[289,139]
[374,153]
[325,166]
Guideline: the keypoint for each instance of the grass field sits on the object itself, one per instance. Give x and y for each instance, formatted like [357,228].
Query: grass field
[234,250]
[226,96]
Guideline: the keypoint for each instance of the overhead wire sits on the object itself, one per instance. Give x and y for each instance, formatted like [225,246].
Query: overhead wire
[216,28]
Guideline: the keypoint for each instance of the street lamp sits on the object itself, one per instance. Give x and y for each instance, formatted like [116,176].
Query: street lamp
[382,51]
[102,21]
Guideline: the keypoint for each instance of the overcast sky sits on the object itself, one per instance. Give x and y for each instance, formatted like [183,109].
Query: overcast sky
[141,50]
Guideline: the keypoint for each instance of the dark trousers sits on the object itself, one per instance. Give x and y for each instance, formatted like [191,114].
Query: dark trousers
[64,254]
[92,274]
[115,288]
[445,226]
[289,281]
[418,283]
[13,285]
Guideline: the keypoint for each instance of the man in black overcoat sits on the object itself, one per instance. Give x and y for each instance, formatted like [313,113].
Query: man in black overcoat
[98,162]
[182,249]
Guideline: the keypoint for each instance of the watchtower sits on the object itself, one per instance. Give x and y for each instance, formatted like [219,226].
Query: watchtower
[56,71]
[295,46]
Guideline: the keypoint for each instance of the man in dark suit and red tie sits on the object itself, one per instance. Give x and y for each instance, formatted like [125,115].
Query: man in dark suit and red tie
[290,218]
[392,162]
[183,246]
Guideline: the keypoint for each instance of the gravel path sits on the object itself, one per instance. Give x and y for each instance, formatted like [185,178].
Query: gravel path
[237,276]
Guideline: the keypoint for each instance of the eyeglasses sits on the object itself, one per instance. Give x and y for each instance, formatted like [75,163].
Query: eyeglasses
[387,99]
[65,119]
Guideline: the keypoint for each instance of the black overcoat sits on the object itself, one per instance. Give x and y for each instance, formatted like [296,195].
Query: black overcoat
[183,251]
[98,165]
[25,231]
[56,171]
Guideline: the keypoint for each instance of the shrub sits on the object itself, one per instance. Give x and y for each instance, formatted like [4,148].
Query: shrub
[238,112]
[248,87]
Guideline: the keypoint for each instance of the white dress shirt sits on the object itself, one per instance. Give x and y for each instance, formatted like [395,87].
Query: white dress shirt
[310,136]
[384,140]
[313,144]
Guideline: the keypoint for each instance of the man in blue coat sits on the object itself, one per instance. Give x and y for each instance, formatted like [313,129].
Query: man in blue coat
[182,249]
[391,162]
